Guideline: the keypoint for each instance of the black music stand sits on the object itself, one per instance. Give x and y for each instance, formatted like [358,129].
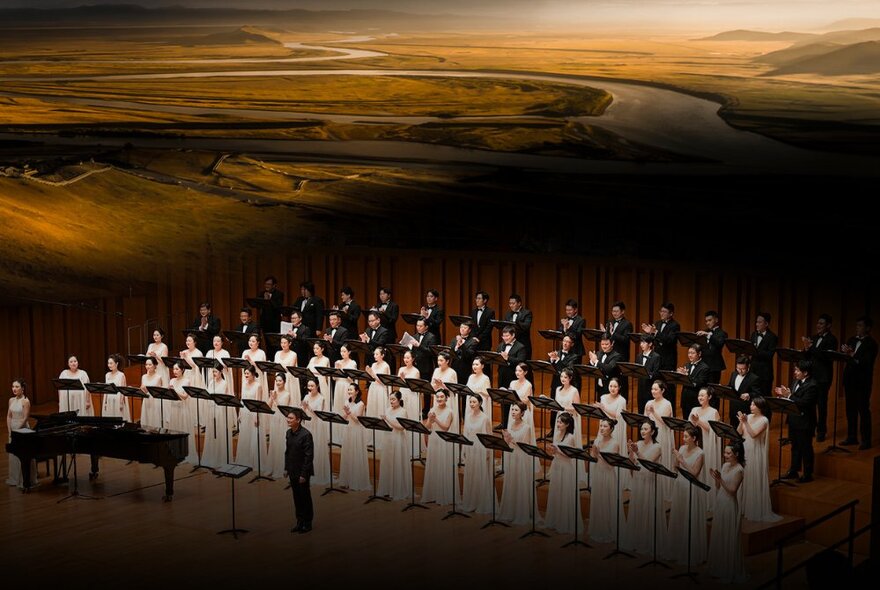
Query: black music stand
[391,381]
[132,393]
[544,404]
[397,349]
[226,401]
[454,438]
[619,461]
[170,361]
[840,358]
[741,347]
[357,347]
[725,431]
[656,469]
[458,320]
[694,482]
[501,324]
[633,371]
[198,393]
[782,406]
[205,364]
[577,455]
[137,359]
[552,335]
[233,472]
[491,357]
[462,391]
[590,411]
[494,443]
[258,407]
[410,318]
[161,394]
[544,368]
[589,371]
[234,362]
[331,418]
[687,339]
[74,493]
[535,453]
[414,427]
[676,378]
[300,372]
[238,338]
[68,384]
[501,396]
[677,425]
[101,389]
[634,420]
[423,387]
[724,393]
[271,368]
[272,340]
[375,424]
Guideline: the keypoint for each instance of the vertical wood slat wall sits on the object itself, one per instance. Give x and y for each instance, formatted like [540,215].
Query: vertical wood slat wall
[38,338]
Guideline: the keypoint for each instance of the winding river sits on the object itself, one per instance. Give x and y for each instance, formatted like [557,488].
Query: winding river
[653,116]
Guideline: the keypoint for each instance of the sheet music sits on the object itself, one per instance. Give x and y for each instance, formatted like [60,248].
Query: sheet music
[408,340]
[286,327]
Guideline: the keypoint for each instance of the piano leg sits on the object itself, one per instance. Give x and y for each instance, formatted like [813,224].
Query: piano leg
[26,464]
[93,474]
[169,482]
[60,470]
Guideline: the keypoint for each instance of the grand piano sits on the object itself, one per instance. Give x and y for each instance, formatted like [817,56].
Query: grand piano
[66,433]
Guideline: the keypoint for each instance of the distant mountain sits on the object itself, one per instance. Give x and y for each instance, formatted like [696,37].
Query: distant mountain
[846,37]
[852,23]
[243,35]
[792,54]
[859,58]
[746,35]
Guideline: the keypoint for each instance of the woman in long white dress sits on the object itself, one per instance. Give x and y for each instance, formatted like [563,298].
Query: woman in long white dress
[377,395]
[340,387]
[688,457]
[641,519]
[656,409]
[177,413]
[255,354]
[354,469]
[604,495]
[478,485]
[612,403]
[444,373]
[438,484]
[479,383]
[395,475]
[219,353]
[115,404]
[159,350]
[319,359]
[220,423]
[17,417]
[566,396]
[411,401]
[248,445]
[725,552]
[151,410]
[312,401]
[563,497]
[279,396]
[517,501]
[755,501]
[523,388]
[712,445]
[196,378]
[80,399]
[286,357]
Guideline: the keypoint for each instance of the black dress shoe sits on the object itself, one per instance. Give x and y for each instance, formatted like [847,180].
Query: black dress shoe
[820,437]
[297,528]
[864,446]
[849,441]
[305,528]
[789,475]
[805,479]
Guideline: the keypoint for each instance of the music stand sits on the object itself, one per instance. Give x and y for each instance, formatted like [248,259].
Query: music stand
[233,472]
[676,424]
[656,469]
[258,407]
[577,455]
[205,363]
[300,372]
[331,418]
[101,389]
[501,396]
[68,384]
[694,482]
[198,393]
[462,391]
[234,362]
[633,371]
[619,461]
[333,374]
[74,493]
[790,355]
[132,393]
[137,359]
[589,371]
[543,368]
[634,420]
[272,340]
[391,381]
[491,357]
[544,404]
[676,378]
[238,338]
[687,339]
[783,406]
[411,318]
[226,401]
[844,358]
[552,335]
[723,392]
[741,347]
[161,394]
[397,349]
[356,346]
[454,438]
[170,361]
[423,387]
[271,368]
[414,427]
[595,412]
[535,453]
[358,375]
[375,424]
[494,443]
[725,431]
[458,320]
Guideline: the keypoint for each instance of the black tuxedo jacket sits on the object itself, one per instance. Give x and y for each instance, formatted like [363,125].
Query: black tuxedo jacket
[762,362]
[609,366]
[859,371]
[567,360]
[482,330]
[312,313]
[251,329]
[378,337]
[299,455]
[435,320]
[523,328]
[392,311]
[302,348]
[575,331]
[806,396]
[464,358]
[516,355]
[620,337]
[666,344]
[424,356]
[270,317]
[652,364]
[336,341]
[700,375]
[354,313]
[822,367]
[712,351]
[213,325]
[749,385]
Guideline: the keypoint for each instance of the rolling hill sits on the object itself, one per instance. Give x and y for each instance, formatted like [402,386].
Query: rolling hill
[798,52]
[859,58]
[746,35]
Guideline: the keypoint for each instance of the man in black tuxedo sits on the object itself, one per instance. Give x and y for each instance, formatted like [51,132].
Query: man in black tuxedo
[246,328]
[514,352]
[482,315]
[712,353]
[351,309]
[665,332]
[746,385]
[649,359]
[823,368]
[465,346]
[270,316]
[300,333]
[376,334]
[765,342]
[335,336]
[619,328]
[606,361]
[563,358]
[433,313]
[311,307]
[299,457]
[801,427]
[391,311]
[858,377]
[573,325]
[522,317]
[698,373]
[424,357]
[207,326]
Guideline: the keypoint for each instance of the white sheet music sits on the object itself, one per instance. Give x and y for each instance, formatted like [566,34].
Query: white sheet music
[408,340]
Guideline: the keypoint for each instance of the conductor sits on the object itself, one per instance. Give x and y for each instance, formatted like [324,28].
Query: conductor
[298,463]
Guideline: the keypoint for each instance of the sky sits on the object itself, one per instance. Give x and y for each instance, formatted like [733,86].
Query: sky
[764,15]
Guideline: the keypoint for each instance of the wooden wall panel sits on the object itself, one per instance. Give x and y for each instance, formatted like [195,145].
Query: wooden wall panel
[39,337]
